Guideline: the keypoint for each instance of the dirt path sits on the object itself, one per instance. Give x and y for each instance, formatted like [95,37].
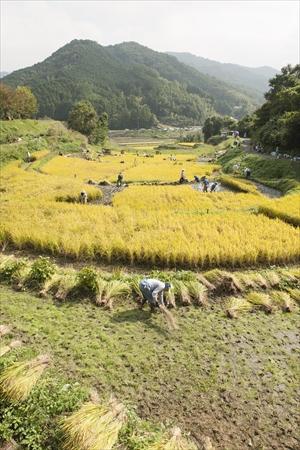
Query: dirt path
[267,191]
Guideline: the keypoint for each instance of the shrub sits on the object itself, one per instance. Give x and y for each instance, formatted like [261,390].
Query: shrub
[87,281]
[11,270]
[41,270]
[34,422]
[216,140]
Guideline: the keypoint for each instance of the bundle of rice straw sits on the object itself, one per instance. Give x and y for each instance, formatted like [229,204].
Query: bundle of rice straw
[94,426]
[18,380]
[235,306]
[6,348]
[4,329]
[171,322]
[175,442]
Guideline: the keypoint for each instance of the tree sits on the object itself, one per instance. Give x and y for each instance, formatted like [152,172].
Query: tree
[18,104]
[24,103]
[84,118]
[6,101]
[276,123]
[213,125]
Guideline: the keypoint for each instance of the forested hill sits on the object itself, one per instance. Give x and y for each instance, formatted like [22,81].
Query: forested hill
[136,86]
[255,80]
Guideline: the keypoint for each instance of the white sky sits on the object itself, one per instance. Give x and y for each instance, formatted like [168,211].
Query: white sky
[252,33]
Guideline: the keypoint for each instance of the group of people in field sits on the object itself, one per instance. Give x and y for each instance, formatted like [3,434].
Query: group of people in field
[203,182]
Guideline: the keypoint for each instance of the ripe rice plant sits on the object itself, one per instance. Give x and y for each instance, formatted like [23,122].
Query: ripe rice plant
[94,426]
[260,300]
[18,380]
[173,440]
[285,208]
[238,184]
[283,300]
[6,348]
[236,306]
[206,229]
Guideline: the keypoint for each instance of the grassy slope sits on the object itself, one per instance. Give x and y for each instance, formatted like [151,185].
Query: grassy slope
[235,381]
[281,174]
[36,135]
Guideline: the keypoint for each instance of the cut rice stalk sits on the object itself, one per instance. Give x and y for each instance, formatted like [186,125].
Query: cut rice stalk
[198,292]
[283,300]
[4,329]
[247,280]
[182,292]
[18,380]
[62,285]
[262,301]
[169,318]
[261,281]
[170,298]
[173,441]
[135,286]
[295,294]
[235,306]
[114,289]
[94,426]
[6,348]
[99,300]
[273,278]
[205,282]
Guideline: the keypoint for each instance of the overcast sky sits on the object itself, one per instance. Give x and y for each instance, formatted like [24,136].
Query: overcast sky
[252,33]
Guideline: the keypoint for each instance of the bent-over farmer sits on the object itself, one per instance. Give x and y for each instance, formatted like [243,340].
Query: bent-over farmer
[153,292]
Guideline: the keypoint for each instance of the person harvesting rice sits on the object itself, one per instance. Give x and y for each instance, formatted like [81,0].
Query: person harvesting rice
[153,293]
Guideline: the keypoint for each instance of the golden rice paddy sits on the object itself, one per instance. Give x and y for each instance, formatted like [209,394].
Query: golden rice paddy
[160,225]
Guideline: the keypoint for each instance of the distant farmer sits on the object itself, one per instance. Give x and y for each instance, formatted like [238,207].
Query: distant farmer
[183,178]
[120,179]
[247,172]
[197,179]
[213,186]
[83,197]
[205,184]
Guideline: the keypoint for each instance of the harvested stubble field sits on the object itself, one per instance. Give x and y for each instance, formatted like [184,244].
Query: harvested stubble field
[234,381]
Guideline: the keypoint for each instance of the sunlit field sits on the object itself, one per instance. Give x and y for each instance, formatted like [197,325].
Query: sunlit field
[163,225]
[134,167]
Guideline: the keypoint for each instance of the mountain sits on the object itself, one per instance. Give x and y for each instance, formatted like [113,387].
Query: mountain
[3,74]
[253,80]
[135,85]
